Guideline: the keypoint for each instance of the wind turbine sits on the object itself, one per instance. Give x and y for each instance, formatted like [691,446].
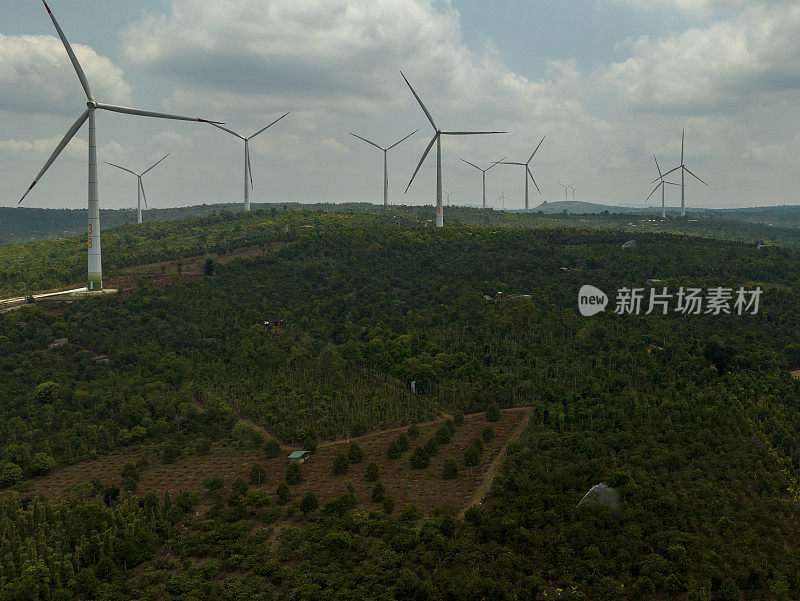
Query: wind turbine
[449,194]
[95,269]
[483,174]
[248,172]
[140,187]
[573,192]
[662,183]
[437,138]
[502,197]
[684,170]
[385,161]
[566,192]
[528,173]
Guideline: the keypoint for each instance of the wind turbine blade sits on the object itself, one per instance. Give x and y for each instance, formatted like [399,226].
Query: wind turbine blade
[123,168]
[422,160]
[419,100]
[672,183]
[61,145]
[473,164]
[268,126]
[496,163]
[663,175]
[156,164]
[694,176]
[510,163]
[683,138]
[654,191]
[129,111]
[471,133]
[528,169]
[534,152]
[403,140]
[657,166]
[367,141]
[81,75]
[144,196]
[249,167]
[230,131]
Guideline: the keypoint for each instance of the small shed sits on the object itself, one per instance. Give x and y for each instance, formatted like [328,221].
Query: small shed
[273,323]
[299,456]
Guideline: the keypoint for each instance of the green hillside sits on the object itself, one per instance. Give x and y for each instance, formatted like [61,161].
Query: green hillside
[692,419]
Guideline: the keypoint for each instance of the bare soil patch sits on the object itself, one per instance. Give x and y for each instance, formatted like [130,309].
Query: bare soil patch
[426,488]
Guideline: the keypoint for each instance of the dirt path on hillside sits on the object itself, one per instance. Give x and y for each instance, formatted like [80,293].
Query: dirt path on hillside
[494,468]
[443,417]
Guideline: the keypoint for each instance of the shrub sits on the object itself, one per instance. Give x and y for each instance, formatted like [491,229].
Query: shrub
[413,432]
[388,505]
[213,483]
[402,443]
[420,459]
[341,463]
[208,266]
[258,474]
[372,473]
[40,464]
[472,456]
[493,413]
[272,449]
[393,451]
[171,452]
[202,446]
[378,492]
[443,435]
[239,487]
[283,493]
[488,434]
[431,447]
[450,469]
[410,513]
[458,418]
[293,473]
[309,503]
[354,453]
[258,497]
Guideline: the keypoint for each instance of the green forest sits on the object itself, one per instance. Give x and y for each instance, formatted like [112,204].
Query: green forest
[693,420]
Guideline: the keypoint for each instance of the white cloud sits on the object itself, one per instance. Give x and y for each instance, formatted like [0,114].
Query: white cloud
[724,66]
[36,76]
[78,148]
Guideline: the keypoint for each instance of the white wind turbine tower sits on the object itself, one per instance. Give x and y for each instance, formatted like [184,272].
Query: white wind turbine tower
[566,192]
[528,173]
[662,183]
[385,161]
[95,270]
[483,174]
[573,188]
[448,194]
[437,138]
[140,187]
[502,197]
[248,172]
[684,170]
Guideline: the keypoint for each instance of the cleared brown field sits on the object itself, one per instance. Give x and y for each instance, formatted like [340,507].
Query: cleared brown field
[426,488]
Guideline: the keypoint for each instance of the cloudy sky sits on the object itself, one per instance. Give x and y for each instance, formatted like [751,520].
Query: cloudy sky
[609,82]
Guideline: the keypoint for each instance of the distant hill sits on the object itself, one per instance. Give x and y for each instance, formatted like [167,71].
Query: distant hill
[577,207]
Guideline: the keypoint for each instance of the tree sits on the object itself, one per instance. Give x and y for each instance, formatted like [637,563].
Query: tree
[431,447]
[309,503]
[293,473]
[10,473]
[388,504]
[341,463]
[420,459]
[378,492]
[458,418]
[449,469]
[472,456]
[40,464]
[46,392]
[413,432]
[239,487]
[213,483]
[487,434]
[493,413]
[258,475]
[372,472]
[209,266]
[443,435]
[283,493]
[393,451]
[272,449]
[354,452]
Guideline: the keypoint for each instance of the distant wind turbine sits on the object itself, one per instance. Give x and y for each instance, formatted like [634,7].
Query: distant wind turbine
[140,187]
[502,197]
[528,172]
[437,138]
[684,170]
[449,194]
[573,192]
[248,172]
[483,174]
[95,269]
[566,192]
[662,183]
[385,162]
